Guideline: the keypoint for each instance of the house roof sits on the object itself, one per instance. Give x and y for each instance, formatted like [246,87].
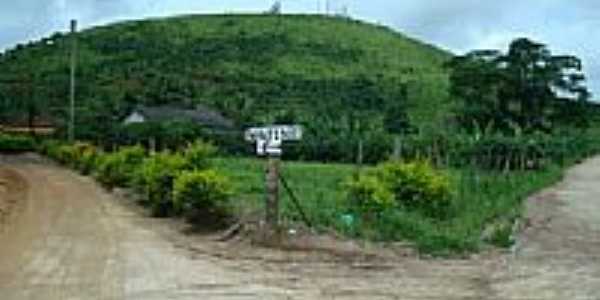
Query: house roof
[201,115]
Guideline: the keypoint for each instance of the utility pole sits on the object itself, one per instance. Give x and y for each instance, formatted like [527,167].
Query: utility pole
[72,87]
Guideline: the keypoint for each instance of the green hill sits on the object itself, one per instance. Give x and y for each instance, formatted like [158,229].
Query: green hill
[339,77]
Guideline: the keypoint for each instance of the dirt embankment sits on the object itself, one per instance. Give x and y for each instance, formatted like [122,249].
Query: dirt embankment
[72,240]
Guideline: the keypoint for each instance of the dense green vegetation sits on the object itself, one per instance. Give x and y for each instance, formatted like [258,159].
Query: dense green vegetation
[527,89]
[413,186]
[169,184]
[13,144]
[471,136]
[479,201]
[344,80]
[441,212]
[525,108]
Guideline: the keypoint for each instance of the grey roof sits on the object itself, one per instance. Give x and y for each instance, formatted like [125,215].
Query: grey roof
[201,115]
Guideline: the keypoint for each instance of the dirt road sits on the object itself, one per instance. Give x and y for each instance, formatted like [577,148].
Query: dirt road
[558,253]
[72,240]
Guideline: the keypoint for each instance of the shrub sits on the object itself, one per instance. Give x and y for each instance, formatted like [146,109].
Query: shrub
[132,155]
[154,179]
[116,169]
[413,186]
[80,156]
[198,155]
[108,170]
[88,160]
[49,148]
[201,194]
[64,154]
[13,143]
[417,185]
[83,157]
[369,194]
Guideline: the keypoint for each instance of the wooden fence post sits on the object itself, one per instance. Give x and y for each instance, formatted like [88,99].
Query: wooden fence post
[272,201]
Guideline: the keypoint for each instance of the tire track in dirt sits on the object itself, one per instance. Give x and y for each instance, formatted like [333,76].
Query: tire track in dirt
[13,190]
[74,241]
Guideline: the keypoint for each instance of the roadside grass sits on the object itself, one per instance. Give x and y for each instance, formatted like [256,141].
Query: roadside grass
[318,187]
[484,206]
[482,201]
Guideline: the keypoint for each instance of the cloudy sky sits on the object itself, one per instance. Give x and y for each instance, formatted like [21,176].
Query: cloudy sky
[567,26]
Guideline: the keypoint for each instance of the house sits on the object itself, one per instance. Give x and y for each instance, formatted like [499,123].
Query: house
[202,116]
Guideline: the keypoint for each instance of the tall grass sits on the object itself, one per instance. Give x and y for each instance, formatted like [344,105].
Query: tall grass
[482,199]
[317,185]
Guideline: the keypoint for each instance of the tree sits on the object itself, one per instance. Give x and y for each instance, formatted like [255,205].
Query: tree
[527,86]
[275,8]
[475,81]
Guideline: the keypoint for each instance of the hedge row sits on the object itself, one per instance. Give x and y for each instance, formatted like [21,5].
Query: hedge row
[170,184]
[16,143]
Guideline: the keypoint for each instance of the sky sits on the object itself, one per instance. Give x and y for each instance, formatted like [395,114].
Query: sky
[566,26]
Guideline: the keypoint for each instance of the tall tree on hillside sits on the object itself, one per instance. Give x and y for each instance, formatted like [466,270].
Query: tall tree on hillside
[527,86]
[475,79]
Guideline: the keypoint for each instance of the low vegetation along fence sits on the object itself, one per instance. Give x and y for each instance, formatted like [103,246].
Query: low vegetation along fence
[440,211]
[16,143]
[440,205]
[169,183]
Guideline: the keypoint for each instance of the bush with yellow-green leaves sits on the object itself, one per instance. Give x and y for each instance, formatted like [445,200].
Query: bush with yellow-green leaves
[154,180]
[117,168]
[155,176]
[80,156]
[202,194]
[411,186]
[169,182]
[83,157]
[199,154]
[368,194]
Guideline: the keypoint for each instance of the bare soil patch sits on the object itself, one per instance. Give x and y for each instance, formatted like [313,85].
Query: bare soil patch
[12,194]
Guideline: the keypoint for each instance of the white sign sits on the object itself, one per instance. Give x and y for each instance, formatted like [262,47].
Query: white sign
[269,139]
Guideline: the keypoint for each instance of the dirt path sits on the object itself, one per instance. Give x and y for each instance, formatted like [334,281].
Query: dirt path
[12,189]
[558,253]
[72,240]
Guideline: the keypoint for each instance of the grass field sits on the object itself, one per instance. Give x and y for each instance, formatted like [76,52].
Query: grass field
[483,201]
[319,186]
